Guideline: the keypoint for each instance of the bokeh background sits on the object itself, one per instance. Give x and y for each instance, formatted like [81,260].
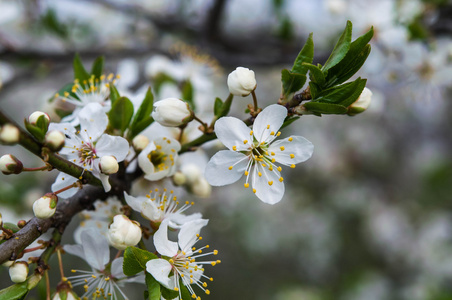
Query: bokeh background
[369,216]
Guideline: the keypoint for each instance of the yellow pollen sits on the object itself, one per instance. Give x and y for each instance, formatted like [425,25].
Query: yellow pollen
[211,279]
[268,126]
[259,173]
[279,133]
[207,292]
[282,148]
[264,165]
[290,139]
[273,160]
[73,271]
[213,263]
[204,284]
[254,191]
[230,168]
[281,179]
[251,132]
[247,185]
[270,168]
[270,182]
[292,166]
[234,148]
[94,276]
[246,173]
[279,169]
[272,133]
[215,252]
[176,289]
[292,155]
[272,153]
[245,141]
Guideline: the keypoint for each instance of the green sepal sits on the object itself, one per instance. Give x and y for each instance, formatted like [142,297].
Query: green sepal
[153,286]
[315,74]
[11,226]
[121,114]
[53,202]
[79,70]
[187,94]
[291,82]
[167,293]
[306,55]
[114,94]
[40,129]
[325,108]
[217,106]
[344,94]
[341,48]
[352,62]
[143,117]
[98,67]
[17,291]
[135,260]
[288,121]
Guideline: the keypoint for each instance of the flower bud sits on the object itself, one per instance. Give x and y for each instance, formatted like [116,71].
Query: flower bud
[192,172]
[201,188]
[361,104]
[54,140]
[9,134]
[140,142]
[45,207]
[241,82]
[123,232]
[8,263]
[179,178]
[18,271]
[64,291]
[33,280]
[9,164]
[172,112]
[21,223]
[34,117]
[108,164]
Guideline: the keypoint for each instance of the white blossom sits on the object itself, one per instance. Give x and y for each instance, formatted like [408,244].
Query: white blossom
[9,164]
[9,134]
[33,118]
[158,159]
[45,207]
[18,271]
[172,112]
[108,165]
[241,82]
[123,232]
[54,139]
[254,153]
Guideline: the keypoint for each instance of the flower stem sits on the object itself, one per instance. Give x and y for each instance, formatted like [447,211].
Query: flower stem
[43,168]
[206,127]
[76,184]
[118,254]
[47,286]
[60,263]
[33,249]
[254,101]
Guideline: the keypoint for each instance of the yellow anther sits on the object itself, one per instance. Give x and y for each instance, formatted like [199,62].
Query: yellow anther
[272,133]
[254,191]
[94,276]
[273,160]
[204,284]
[272,153]
[281,179]
[270,168]
[64,279]
[245,141]
[73,271]
[230,168]
[176,289]
[207,292]
[279,169]
[247,185]
[292,155]
[290,139]
[211,279]
[292,166]
[259,173]
[270,182]
[234,148]
[282,148]
[268,126]
[264,165]
[215,252]
[251,132]
[279,133]
[246,173]
[213,263]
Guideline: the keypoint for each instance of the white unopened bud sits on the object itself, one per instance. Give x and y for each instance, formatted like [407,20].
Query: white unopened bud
[9,164]
[140,142]
[192,172]
[45,207]
[33,118]
[18,271]
[362,103]
[9,134]
[54,140]
[172,112]
[241,82]
[108,164]
[201,188]
[179,178]
[123,232]
[65,294]
[8,263]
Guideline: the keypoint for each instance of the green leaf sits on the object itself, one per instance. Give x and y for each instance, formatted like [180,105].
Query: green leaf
[50,22]
[67,88]
[315,89]
[352,62]
[120,114]
[79,70]
[344,94]
[98,67]
[288,121]
[135,260]
[306,55]
[291,82]
[184,291]
[168,294]
[187,94]
[325,108]
[143,117]
[217,106]
[153,287]
[160,79]
[17,291]
[114,94]
[315,74]
[341,48]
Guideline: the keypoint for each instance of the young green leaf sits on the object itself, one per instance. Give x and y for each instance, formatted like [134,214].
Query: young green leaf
[291,82]
[306,55]
[160,79]
[114,94]
[342,94]
[143,117]
[153,287]
[184,291]
[17,291]
[79,70]
[98,67]
[135,260]
[187,94]
[168,294]
[315,74]
[325,108]
[120,114]
[217,106]
[341,48]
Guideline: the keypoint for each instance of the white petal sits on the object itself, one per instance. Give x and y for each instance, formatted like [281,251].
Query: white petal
[160,269]
[112,145]
[233,132]
[94,120]
[143,161]
[96,248]
[105,183]
[300,147]
[64,180]
[162,244]
[150,211]
[267,193]
[76,250]
[217,170]
[270,119]
[178,219]
[134,202]
[187,234]
[116,268]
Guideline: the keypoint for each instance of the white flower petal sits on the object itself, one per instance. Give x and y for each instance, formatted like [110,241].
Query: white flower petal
[116,268]
[187,234]
[64,180]
[300,147]
[150,211]
[105,183]
[162,244]
[160,270]
[270,119]
[143,161]
[134,202]
[177,219]
[267,193]
[96,248]
[112,145]
[233,132]
[93,121]
[76,250]
[217,170]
